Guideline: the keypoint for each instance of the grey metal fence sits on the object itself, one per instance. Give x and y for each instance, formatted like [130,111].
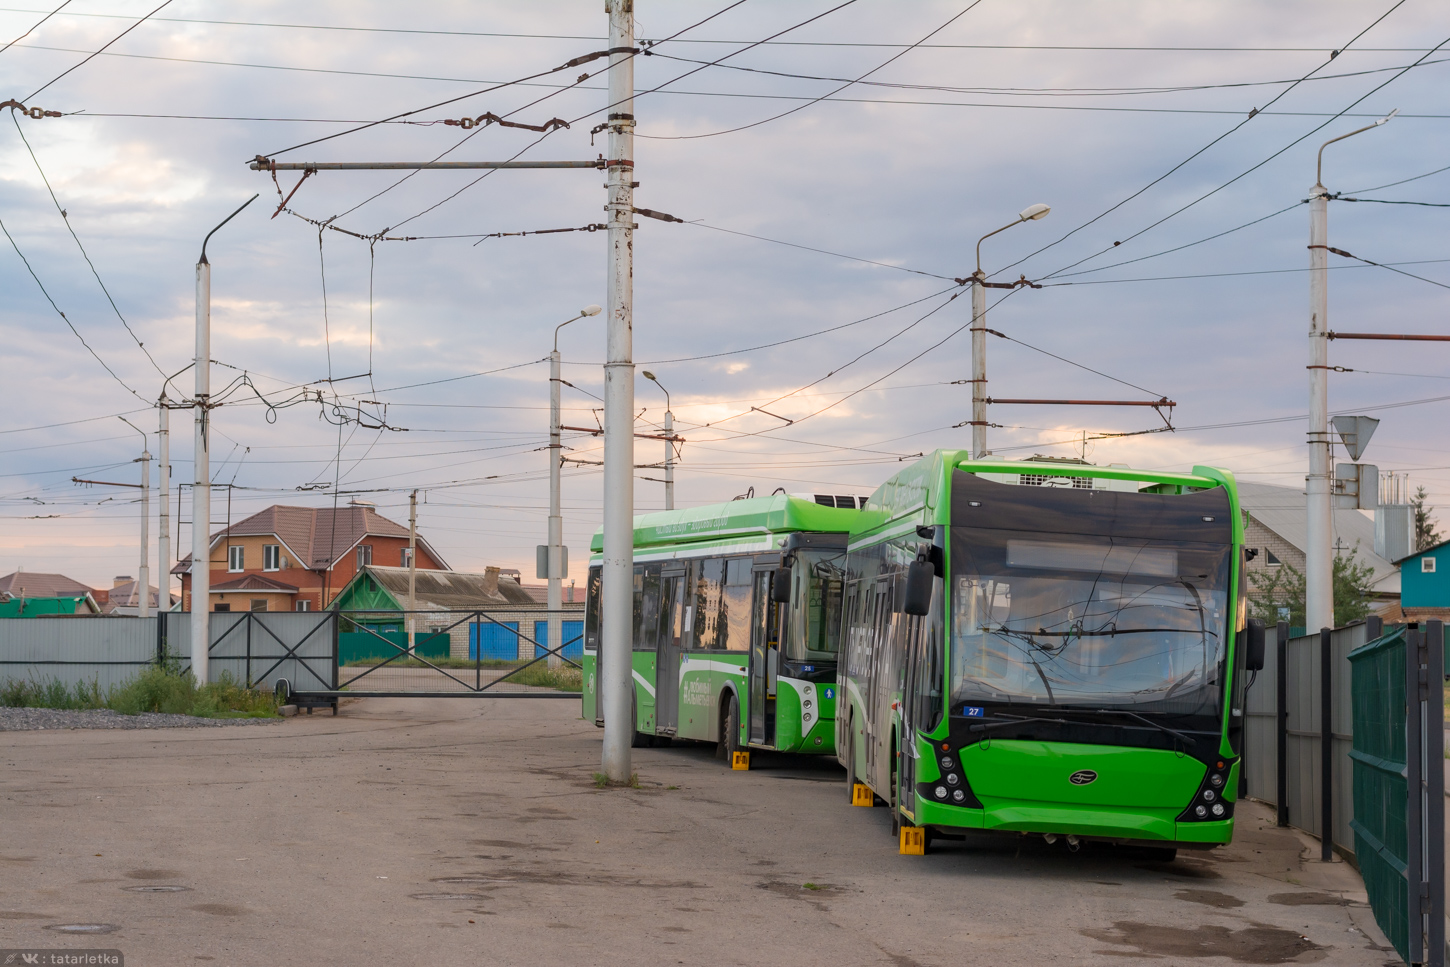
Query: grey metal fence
[254,648]
[1305,663]
[104,649]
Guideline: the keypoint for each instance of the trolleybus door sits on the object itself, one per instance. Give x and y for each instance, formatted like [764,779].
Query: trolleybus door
[764,661]
[668,652]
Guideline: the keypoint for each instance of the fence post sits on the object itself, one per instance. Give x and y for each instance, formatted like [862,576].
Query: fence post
[161,637]
[1281,633]
[475,640]
[1414,790]
[1326,747]
[1433,904]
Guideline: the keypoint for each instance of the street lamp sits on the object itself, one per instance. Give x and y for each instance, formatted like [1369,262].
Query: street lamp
[553,560]
[1318,560]
[144,582]
[979,335]
[669,444]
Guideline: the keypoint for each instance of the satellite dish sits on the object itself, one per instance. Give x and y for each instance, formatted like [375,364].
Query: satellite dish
[1355,431]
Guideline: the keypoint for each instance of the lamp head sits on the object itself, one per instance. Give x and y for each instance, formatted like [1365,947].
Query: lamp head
[649,376]
[590,311]
[1034,212]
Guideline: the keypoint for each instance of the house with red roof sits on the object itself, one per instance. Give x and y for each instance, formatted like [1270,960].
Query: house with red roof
[299,558]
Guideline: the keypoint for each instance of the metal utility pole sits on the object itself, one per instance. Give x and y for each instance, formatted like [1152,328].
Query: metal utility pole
[979,335]
[201,482]
[163,493]
[1318,552]
[412,569]
[142,588]
[554,565]
[616,686]
[669,443]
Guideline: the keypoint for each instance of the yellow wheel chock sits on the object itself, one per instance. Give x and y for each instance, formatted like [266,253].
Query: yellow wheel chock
[740,761]
[913,841]
[861,795]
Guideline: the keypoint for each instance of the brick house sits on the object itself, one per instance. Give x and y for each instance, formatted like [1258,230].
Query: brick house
[299,558]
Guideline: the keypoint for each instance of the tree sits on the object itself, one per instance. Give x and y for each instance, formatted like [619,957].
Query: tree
[1426,532]
[1277,594]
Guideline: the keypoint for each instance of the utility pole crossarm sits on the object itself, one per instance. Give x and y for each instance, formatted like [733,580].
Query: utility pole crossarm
[265,164]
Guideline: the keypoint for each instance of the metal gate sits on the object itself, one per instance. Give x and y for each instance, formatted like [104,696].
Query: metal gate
[454,654]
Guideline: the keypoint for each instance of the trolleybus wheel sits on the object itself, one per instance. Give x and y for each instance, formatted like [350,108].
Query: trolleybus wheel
[729,743]
[640,740]
[850,762]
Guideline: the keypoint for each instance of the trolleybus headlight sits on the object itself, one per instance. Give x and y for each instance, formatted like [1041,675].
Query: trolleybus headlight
[1200,810]
[952,779]
[1215,780]
[1209,795]
[958,795]
[947,763]
[941,792]
[1218,809]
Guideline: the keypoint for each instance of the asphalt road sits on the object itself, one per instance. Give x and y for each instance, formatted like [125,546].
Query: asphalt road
[464,831]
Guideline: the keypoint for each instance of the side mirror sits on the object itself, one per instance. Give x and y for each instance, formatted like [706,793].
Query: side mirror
[919,577]
[780,586]
[1251,640]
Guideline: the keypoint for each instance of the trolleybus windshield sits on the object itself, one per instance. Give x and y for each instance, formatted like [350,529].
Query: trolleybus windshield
[1086,621]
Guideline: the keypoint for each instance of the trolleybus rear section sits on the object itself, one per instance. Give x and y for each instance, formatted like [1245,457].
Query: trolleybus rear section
[735,624]
[1040,648]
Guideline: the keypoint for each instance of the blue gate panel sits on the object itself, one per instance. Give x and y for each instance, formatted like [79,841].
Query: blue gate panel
[573,639]
[497,641]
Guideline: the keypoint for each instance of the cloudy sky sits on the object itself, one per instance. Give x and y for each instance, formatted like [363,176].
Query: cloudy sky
[1132,120]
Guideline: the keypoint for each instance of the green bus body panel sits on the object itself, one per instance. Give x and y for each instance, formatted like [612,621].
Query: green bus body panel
[732,521]
[1015,769]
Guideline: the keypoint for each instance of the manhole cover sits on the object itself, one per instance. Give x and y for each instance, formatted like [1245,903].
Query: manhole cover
[156,889]
[83,927]
[447,896]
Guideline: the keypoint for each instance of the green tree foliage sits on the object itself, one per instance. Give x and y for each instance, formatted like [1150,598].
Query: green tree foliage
[1275,591]
[1427,534]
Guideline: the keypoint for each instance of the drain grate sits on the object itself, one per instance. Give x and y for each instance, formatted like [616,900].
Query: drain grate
[83,927]
[156,889]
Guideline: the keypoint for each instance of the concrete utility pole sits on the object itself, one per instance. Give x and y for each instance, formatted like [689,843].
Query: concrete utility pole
[669,443]
[1318,552]
[616,686]
[141,590]
[201,482]
[554,564]
[163,493]
[979,335]
[412,569]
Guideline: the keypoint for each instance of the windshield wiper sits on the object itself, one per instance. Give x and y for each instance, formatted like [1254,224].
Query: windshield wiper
[1145,720]
[1016,720]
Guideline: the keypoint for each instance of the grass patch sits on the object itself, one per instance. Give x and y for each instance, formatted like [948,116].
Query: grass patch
[566,678]
[436,662]
[154,690]
[601,781]
[812,886]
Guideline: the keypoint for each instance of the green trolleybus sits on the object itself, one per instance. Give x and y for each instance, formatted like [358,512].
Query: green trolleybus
[1047,648]
[736,623]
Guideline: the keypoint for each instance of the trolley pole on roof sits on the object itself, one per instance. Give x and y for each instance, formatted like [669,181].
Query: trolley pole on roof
[1318,552]
[616,686]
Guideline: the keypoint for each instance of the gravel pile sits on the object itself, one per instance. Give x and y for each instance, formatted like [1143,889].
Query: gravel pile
[24,719]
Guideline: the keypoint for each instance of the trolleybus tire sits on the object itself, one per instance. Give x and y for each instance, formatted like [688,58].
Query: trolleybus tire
[729,743]
[640,740]
[850,761]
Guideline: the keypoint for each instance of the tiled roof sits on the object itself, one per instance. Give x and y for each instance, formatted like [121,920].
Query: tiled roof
[316,536]
[451,590]
[256,582]
[1282,510]
[121,596]
[34,584]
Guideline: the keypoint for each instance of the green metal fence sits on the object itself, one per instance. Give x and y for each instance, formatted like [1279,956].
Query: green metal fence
[1380,789]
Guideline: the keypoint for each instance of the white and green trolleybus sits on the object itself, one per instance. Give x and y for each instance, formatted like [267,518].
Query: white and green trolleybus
[1047,648]
[735,625]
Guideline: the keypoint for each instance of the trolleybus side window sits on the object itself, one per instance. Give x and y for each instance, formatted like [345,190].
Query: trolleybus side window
[646,606]
[818,583]
[709,583]
[733,623]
